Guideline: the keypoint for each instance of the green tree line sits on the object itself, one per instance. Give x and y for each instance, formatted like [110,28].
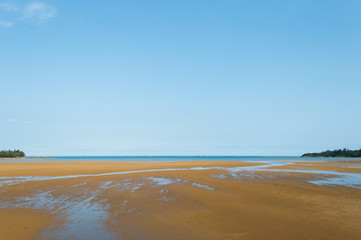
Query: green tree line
[336,153]
[11,153]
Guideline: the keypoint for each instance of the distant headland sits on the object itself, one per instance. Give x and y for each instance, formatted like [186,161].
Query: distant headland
[336,153]
[12,154]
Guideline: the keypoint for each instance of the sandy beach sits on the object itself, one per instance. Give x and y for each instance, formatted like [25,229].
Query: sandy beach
[180,120]
[180,200]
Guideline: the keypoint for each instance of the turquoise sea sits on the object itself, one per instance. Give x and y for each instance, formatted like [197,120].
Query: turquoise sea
[135,159]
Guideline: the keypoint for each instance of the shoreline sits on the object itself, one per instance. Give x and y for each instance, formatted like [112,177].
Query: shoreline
[7,158]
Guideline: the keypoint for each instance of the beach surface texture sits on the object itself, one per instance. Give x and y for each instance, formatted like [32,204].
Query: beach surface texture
[111,200]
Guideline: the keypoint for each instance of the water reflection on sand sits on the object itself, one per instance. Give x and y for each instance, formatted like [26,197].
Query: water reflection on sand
[82,211]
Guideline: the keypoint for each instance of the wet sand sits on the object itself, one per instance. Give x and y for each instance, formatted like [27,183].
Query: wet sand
[180,200]
[21,223]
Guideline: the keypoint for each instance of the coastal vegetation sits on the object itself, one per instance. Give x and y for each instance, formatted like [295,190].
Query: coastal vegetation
[336,153]
[11,154]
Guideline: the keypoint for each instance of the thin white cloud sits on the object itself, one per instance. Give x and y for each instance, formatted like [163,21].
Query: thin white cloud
[35,12]
[12,120]
[39,10]
[6,24]
[9,7]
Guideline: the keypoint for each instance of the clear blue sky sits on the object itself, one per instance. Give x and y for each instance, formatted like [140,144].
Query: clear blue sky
[231,77]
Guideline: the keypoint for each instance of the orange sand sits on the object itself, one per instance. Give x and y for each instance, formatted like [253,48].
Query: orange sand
[283,207]
[22,224]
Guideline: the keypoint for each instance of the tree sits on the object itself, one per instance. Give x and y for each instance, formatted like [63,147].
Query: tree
[11,154]
[336,153]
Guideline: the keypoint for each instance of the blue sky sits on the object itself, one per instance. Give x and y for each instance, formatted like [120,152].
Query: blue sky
[231,77]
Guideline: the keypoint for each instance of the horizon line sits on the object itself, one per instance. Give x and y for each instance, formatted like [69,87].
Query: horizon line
[163,156]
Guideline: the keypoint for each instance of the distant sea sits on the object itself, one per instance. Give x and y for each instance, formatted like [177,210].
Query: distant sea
[153,159]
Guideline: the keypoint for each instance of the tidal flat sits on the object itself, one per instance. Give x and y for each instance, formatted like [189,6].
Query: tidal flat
[113,200]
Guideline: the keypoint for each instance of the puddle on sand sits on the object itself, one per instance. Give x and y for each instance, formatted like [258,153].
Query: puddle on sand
[82,211]
[167,181]
[161,181]
[327,177]
[76,217]
[84,220]
[202,186]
